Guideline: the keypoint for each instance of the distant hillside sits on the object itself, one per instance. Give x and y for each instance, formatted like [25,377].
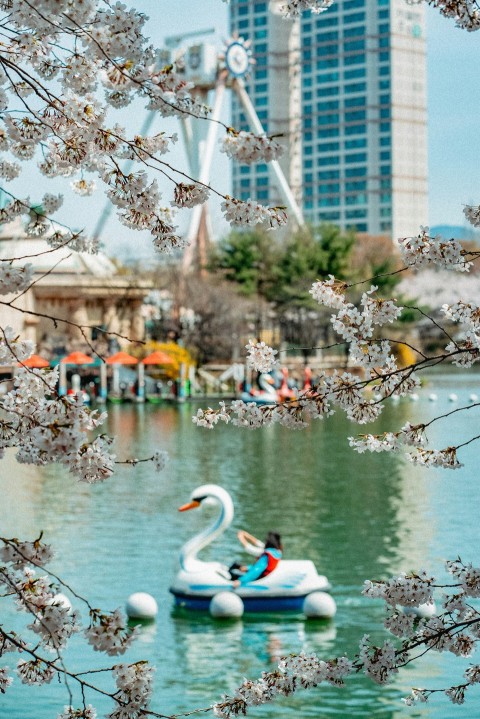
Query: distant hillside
[460,232]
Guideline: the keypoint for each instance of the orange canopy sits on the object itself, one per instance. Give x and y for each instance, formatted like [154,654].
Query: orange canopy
[121,358]
[34,361]
[77,358]
[158,357]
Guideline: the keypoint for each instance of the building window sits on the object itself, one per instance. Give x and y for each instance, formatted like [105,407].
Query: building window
[354,17]
[354,45]
[355,130]
[385,156]
[355,186]
[358,142]
[327,91]
[328,175]
[356,157]
[329,189]
[355,199]
[328,62]
[329,132]
[356,72]
[358,59]
[331,160]
[328,77]
[328,201]
[357,115]
[355,101]
[350,214]
[328,147]
[327,37]
[332,119]
[329,105]
[355,87]
[355,32]
[330,216]
[353,4]
[355,171]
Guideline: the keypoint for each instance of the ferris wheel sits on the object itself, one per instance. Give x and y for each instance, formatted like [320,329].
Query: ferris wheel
[212,73]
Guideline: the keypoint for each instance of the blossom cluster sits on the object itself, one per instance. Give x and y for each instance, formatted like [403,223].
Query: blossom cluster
[45,428]
[250,212]
[54,621]
[292,8]
[134,684]
[302,671]
[466,13]
[247,147]
[14,279]
[260,356]
[424,250]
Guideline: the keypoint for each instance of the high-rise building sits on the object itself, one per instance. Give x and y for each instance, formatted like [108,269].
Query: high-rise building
[347,90]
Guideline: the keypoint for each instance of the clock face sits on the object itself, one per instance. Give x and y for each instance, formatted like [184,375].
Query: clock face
[236,59]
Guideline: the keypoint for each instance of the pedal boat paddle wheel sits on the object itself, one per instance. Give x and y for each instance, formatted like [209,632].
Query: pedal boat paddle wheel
[294,585]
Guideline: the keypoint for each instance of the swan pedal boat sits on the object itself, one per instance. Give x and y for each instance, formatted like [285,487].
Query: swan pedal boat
[197,582]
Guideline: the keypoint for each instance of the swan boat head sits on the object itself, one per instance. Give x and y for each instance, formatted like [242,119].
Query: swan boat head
[206,494]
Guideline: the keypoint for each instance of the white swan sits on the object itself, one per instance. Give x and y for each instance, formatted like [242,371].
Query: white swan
[211,494]
[197,582]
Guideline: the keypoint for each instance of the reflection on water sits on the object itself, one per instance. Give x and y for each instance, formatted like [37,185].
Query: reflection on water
[356,516]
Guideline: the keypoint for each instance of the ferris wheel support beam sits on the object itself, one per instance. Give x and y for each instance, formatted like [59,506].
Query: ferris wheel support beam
[204,174]
[238,87]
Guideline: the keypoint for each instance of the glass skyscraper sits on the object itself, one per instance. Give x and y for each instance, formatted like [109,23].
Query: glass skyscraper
[347,90]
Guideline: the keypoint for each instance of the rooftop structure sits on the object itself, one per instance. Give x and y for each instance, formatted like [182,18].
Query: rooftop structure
[77,287]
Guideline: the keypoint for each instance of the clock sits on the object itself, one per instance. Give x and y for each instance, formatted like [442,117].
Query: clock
[237,59]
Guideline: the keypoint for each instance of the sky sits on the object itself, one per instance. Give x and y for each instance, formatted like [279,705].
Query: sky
[453,58]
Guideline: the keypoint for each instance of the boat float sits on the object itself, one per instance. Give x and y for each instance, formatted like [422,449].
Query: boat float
[294,585]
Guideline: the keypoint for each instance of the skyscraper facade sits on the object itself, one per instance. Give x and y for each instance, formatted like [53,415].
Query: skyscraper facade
[347,91]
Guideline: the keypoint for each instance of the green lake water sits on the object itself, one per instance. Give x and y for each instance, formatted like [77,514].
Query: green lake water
[356,516]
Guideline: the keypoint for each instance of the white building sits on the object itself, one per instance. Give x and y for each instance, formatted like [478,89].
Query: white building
[347,89]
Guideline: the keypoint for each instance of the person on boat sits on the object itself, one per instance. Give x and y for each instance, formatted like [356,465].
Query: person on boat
[269,554]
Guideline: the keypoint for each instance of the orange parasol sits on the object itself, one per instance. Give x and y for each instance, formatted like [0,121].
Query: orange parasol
[158,357]
[77,358]
[34,361]
[121,358]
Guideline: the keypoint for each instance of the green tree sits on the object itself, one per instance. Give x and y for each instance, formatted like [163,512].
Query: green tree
[249,259]
[311,253]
